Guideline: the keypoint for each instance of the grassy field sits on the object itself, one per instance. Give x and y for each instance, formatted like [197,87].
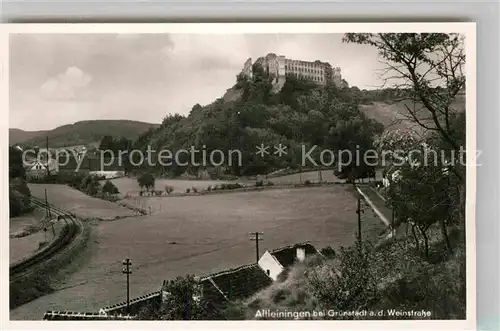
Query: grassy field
[77,202]
[200,235]
[28,226]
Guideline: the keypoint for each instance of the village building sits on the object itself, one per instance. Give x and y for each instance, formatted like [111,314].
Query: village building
[279,67]
[39,169]
[276,261]
[76,316]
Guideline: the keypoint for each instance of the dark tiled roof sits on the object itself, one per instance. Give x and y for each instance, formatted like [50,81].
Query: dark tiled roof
[89,163]
[239,283]
[135,304]
[74,316]
[286,256]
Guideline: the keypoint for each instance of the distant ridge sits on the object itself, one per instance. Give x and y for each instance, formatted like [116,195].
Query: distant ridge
[80,133]
[17,136]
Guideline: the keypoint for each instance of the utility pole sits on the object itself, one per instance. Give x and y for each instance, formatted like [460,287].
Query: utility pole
[47,208]
[48,156]
[257,239]
[359,211]
[126,270]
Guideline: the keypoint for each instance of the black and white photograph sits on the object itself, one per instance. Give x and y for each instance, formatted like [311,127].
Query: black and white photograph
[242,172]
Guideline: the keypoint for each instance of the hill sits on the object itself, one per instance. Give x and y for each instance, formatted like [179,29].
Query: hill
[300,115]
[17,136]
[84,133]
[393,114]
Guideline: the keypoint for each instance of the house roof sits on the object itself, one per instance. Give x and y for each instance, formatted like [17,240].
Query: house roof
[88,163]
[286,256]
[33,163]
[238,283]
[123,304]
[71,315]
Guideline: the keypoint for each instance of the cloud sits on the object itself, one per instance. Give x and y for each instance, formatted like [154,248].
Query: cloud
[147,76]
[65,86]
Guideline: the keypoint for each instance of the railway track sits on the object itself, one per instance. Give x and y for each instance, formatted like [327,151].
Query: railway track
[57,247]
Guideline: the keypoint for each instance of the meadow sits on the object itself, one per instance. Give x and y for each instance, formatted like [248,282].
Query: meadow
[74,201]
[26,235]
[198,235]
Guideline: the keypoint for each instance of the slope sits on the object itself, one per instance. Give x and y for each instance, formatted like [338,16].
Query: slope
[17,136]
[87,132]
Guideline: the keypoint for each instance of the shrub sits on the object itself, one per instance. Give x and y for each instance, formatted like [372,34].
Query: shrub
[194,189]
[209,188]
[158,193]
[169,189]
[232,186]
[307,182]
[328,252]
[141,193]
[269,183]
[109,188]
[188,190]
[259,183]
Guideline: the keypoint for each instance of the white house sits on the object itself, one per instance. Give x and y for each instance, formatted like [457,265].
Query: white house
[276,261]
[39,169]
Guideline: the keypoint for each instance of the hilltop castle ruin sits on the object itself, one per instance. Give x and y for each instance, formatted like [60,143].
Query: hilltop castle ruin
[279,67]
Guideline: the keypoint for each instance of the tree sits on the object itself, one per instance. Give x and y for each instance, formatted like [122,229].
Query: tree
[109,188]
[431,67]
[146,180]
[16,169]
[420,190]
[181,302]
[348,283]
[90,185]
[107,143]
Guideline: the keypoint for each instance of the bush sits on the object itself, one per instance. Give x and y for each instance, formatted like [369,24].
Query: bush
[169,189]
[109,188]
[194,189]
[328,252]
[269,183]
[188,190]
[141,193]
[307,182]
[209,188]
[233,186]
[259,183]
[158,193]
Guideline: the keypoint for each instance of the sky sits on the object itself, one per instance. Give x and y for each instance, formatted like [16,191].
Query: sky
[58,79]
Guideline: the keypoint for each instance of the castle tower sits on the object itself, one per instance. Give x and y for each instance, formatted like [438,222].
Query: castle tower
[337,77]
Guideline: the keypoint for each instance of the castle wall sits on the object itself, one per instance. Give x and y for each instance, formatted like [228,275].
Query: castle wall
[278,67]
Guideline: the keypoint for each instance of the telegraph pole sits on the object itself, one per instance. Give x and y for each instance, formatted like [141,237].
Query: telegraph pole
[126,270]
[47,208]
[359,211]
[48,156]
[257,239]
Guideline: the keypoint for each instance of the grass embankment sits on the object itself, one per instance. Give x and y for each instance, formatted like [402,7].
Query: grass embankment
[40,281]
